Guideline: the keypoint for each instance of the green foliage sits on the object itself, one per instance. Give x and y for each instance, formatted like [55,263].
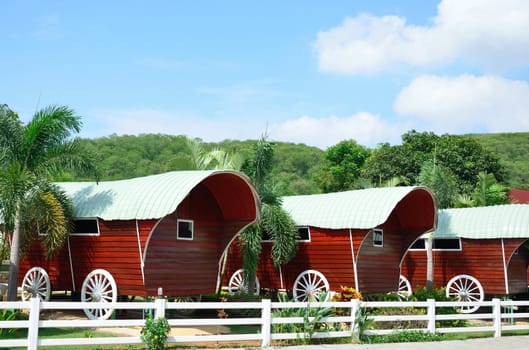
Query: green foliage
[512,149]
[312,321]
[154,333]
[31,156]
[274,220]
[11,315]
[462,156]
[298,168]
[7,315]
[486,192]
[404,337]
[343,165]
[441,181]
[283,232]
[438,294]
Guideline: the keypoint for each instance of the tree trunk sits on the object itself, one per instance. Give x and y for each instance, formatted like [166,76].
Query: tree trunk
[429,262]
[14,260]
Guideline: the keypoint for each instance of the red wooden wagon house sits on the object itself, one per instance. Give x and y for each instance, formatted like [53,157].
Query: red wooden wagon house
[135,236]
[353,238]
[476,251]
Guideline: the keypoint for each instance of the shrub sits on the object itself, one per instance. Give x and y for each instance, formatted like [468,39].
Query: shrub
[154,334]
[312,317]
[439,294]
[405,337]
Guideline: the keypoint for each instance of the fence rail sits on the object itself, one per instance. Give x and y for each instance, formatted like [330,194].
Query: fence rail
[272,319]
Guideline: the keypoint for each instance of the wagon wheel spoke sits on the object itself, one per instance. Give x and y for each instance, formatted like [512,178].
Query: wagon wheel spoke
[99,286]
[465,288]
[404,291]
[310,284]
[36,283]
[237,283]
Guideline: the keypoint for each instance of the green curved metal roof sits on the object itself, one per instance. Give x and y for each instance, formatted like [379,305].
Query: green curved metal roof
[148,197]
[500,221]
[362,209]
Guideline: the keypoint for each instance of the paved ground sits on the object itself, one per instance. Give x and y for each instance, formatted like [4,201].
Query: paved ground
[510,343]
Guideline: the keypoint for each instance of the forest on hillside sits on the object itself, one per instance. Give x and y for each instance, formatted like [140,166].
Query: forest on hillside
[302,169]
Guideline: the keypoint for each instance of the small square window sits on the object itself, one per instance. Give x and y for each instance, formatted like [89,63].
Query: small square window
[304,234]
[184,229]
[378,238]
[83,227]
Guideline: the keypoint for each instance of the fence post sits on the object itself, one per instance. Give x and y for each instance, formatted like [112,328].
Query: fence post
[266,320]
[496,316]
[431,316]
[33,331]
[160,304]
[355,333]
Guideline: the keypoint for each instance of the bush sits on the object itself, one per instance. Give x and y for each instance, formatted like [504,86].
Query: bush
[309,326]
[405,337]
[154,334]
[439,294]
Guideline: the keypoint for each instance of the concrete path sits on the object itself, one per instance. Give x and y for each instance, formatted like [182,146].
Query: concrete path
[506,342]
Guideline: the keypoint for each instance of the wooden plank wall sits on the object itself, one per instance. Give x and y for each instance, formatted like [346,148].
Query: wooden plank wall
[481,259]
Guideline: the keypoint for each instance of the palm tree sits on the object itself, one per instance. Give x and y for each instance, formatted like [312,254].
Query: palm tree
[274,220]
[214,159]
[31,155]
[487,192]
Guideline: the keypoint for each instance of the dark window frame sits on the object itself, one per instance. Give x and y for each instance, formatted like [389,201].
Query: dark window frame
[191,229]
[378,233]
[85,232]
[435,246]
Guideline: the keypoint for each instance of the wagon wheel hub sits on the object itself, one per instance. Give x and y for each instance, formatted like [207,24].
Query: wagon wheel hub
[96,297]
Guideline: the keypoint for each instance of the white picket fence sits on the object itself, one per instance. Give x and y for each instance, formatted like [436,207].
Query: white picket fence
[499,316]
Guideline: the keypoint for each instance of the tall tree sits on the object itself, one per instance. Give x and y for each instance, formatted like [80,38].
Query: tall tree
[274,220]
[343,164]
[441,181]
[487,191]
[461,155]
[31,156]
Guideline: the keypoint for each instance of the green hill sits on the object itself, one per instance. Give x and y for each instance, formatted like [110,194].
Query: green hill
[513,151]
[128,156]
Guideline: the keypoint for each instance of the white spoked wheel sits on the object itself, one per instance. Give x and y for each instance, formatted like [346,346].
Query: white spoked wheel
[36,283]
[99,286]
[404,291]
[311,285]
[184,299]
[237,283]
[465,288]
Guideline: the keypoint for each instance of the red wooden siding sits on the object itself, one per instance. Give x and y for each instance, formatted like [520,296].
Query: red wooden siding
[329,252]
[183,267]
[220,207]
[482,259]
[57,267]
[115,249]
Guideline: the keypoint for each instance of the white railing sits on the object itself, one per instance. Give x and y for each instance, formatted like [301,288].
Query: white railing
[500,316]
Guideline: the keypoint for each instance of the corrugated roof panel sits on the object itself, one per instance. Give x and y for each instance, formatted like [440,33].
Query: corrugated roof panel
[500,221]
[366,208]
[140,198]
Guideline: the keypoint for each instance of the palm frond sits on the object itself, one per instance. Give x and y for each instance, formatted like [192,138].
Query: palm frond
[49,128]
[68,156]
[283,232]
[196,151]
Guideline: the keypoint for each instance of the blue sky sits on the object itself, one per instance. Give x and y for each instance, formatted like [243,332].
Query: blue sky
[313,72]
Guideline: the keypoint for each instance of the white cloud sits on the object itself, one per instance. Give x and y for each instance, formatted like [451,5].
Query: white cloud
[152,121]
[365,128]
[489,32]
[467,103]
